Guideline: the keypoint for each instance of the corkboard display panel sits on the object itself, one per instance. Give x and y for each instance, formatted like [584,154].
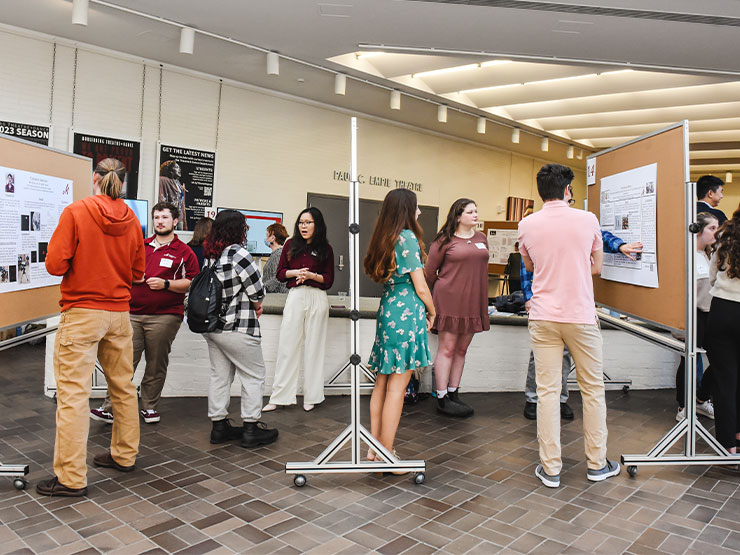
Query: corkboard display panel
[42,302]
[498,268]
[666,305]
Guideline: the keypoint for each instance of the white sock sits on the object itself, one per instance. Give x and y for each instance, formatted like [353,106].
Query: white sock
[441,393]
[451,389]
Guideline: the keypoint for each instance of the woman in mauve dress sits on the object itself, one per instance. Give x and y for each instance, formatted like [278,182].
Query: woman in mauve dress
[457,273]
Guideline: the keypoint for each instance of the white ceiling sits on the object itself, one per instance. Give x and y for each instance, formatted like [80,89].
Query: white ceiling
[688,68]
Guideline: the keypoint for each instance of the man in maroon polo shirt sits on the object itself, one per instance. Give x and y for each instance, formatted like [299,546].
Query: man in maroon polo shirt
[157,308]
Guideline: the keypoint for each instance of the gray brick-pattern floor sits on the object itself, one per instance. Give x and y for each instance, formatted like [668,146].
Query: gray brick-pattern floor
[189,496]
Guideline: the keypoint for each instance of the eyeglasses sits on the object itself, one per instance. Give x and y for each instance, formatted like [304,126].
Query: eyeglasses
[304,222]
[571,202]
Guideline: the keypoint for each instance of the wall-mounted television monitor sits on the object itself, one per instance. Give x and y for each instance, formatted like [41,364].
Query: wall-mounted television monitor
[258,220]
[141,209]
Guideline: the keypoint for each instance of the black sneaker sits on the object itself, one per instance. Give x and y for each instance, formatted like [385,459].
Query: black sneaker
[223,431]
[256,433]
[530,410]
[448,407]
[454,396]
[53,487]
[566,413]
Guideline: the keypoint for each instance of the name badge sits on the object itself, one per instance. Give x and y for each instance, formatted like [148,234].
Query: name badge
[165,262]
[481,245]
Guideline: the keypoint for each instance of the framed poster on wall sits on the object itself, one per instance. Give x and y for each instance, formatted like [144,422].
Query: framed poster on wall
[98,147]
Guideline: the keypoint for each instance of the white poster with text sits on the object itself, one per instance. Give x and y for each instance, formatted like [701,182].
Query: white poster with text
[501,244]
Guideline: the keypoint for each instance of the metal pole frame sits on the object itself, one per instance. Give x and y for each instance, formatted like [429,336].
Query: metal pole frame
[690,427]
[355,433]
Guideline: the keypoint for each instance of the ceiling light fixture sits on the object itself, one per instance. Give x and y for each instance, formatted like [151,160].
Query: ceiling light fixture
[79,12]
[545,144]
[395,100]
[340,83]
[481,126]
[442,114]
[187,40]
[569,152]
[273,63]
[515,135]
[728,177]
[580,154]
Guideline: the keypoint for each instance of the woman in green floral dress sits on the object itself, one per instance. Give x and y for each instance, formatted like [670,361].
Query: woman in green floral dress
[396,258]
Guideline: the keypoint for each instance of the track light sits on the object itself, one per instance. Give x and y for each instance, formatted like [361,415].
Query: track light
[580,154]
[442,114]
[515,135]
[340,83]
[545,144]
[79,12]
[395,100]
[481,126]
[569,153]
[728,177]
[273,63]
[187,40]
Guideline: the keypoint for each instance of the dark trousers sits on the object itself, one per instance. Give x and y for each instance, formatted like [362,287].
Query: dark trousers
[704,389]
[723,348]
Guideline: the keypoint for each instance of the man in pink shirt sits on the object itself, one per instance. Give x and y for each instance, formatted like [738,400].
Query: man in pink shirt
[563,247]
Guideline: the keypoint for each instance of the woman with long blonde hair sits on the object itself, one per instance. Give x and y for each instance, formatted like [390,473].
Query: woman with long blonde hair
[395,258]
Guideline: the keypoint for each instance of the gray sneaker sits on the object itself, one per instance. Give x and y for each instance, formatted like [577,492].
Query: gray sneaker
[549,481]
[610,469]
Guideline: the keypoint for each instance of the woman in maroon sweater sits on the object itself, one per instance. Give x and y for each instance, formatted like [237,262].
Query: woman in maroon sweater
[307,267]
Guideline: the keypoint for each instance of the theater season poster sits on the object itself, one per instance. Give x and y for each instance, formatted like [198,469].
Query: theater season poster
[38,134]
[186,179]
[99,148]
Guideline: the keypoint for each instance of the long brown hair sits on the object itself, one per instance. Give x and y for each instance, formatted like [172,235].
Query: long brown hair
[201,231]
[728,246]
[704,219]
[397,213]
[112,173]
[445,233]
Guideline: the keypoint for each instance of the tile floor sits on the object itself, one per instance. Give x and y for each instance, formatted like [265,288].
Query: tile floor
[480,496]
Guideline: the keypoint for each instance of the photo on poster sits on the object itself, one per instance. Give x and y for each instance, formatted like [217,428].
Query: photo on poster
[25,222]
[24,268]
[4,274]
[186,179]
[35,221]
[99,148]
[9,183]
[34,257]
[38,134]
[43,248]
[12,274]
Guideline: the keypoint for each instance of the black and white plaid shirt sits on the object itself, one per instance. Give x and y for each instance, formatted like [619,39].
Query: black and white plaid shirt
[242,284]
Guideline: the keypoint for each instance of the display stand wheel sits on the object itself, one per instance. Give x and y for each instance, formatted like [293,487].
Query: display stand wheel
[299,480]
[626,388]
[419,478]
[20,483]
[632,471]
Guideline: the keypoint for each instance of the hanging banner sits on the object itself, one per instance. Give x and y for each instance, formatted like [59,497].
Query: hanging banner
[186,178]
[38,134]
[29,213]
[99,148]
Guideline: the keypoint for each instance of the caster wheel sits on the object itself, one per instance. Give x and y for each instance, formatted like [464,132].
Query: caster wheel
[20,483]
[632,471]
[299,480]
[626,389]
[419,478]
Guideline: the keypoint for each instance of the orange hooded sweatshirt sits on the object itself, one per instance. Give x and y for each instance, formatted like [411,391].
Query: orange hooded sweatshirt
[99,249]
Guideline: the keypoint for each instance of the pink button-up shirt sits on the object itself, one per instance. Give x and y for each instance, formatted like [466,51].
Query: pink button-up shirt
[560,240]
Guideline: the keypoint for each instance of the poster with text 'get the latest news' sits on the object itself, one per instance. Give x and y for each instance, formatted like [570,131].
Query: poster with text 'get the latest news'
[186,178]
[29,213]
[628,210]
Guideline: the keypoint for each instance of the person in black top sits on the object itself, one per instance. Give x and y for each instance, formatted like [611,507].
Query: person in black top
[709,191]
[201,231]
[513,266]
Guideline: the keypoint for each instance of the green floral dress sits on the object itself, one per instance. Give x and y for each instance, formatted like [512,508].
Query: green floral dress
[401,336]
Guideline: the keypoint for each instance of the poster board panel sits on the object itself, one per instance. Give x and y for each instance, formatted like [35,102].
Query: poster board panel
[34,304]
[506,226]
[665,305]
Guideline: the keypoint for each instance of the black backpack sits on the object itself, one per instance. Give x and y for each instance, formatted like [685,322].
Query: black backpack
[204,300]
[513,303]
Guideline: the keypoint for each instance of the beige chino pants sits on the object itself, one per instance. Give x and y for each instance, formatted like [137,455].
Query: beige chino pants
[585,345]
[84,334]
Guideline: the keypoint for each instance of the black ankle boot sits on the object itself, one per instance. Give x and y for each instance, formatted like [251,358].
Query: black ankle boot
[223,431]
[256,433]
[455,398]
[447,406]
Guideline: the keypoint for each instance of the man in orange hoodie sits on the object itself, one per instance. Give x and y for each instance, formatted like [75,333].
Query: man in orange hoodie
[98,249]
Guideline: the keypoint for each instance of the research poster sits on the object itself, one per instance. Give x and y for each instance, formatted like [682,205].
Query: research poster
[501,245]
[628,210]
[99,148]
[186,178]
[29,213]
[38,134]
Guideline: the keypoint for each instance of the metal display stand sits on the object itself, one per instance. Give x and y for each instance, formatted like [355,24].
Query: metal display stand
[690,427]
[607,379]
[355,433]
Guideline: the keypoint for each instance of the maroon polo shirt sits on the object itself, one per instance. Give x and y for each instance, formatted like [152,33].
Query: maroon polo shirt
[173,261]
[306,260]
